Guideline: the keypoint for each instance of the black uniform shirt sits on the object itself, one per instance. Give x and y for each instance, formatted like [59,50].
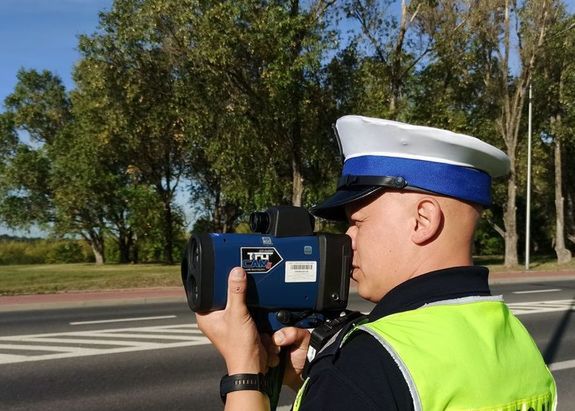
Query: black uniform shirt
[362,375]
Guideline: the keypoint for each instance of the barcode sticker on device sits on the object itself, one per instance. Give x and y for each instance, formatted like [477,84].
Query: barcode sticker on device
[301,271]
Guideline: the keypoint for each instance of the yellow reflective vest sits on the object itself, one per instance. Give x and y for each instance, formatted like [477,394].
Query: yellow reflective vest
[470,353]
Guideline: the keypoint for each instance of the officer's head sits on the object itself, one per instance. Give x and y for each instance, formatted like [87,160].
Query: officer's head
[412,196]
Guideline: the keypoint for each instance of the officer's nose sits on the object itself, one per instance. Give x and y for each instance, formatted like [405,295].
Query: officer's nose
[351,232]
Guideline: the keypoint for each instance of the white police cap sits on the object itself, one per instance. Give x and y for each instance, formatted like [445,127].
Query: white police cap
[383,153]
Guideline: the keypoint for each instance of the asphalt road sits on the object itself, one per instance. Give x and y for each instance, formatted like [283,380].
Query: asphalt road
[152,357]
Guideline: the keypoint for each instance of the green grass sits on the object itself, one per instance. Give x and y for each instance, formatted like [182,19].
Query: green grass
[50,278]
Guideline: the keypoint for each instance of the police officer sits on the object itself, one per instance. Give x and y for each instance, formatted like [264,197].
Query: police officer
[437,339]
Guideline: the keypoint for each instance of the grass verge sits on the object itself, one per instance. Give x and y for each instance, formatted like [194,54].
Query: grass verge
[51,278]
[537,263]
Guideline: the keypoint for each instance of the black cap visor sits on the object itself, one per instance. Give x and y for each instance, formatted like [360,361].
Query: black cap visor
[333,208]
[352,188]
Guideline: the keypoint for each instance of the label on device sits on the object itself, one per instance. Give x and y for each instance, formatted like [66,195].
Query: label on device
[259,259]
[301,271]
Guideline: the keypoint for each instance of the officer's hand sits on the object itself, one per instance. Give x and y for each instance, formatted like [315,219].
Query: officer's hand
[296,341]
[233,331]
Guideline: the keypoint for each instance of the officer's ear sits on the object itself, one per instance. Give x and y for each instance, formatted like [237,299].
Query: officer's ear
[428,221]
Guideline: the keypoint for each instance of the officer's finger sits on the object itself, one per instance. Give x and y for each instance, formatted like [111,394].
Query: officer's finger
[296,337]
[237,285]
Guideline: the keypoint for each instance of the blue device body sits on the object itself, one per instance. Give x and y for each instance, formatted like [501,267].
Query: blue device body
[305,274]
[282,272]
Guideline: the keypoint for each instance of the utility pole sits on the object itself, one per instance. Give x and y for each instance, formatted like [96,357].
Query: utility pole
[528,206]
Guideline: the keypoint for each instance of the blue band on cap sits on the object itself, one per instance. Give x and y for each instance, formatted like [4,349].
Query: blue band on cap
[461,182]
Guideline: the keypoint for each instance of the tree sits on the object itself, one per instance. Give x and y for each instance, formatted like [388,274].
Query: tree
[393,45]
[491,31]
[262,59]
[38,108]
[142,99]
[531,23]
[65,178]
[555,85]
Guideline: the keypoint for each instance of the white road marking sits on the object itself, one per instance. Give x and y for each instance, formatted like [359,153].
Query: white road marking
[562,365]
[550,290]
[284,408]
[97,342]
[119,320]
[84,341]
[16,358]
[147,336]
[536,307]
[37,347]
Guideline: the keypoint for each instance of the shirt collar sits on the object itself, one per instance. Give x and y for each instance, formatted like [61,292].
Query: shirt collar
[446,284]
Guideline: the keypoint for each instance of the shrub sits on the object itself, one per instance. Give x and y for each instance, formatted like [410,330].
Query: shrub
[43,251]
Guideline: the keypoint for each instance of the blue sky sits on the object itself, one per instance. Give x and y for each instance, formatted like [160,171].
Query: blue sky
[42,34]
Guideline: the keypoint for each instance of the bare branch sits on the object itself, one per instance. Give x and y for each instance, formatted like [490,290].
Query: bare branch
[417,60]
[414,13]
[359,14]
[496,227]
[320,8]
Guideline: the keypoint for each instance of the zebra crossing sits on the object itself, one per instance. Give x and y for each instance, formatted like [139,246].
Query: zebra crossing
[50,346]
[536,307]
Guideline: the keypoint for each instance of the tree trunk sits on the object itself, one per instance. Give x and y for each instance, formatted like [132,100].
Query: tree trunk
[218,226]
[509,213]
[510,222]
[570,218]
[168,231]
[396,77]
[231,214]
[166,195]
[297,179]
[296,102]
[98,254]
[96,241]
[563,254]
[125,243]
[135,252]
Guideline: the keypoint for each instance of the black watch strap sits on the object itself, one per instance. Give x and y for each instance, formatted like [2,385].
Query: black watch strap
[239,382]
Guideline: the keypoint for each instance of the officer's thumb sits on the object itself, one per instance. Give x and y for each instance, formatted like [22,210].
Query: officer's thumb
[296,337]
[237,285]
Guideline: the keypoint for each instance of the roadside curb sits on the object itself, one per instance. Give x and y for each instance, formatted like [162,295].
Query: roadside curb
[510,277]
[91,298]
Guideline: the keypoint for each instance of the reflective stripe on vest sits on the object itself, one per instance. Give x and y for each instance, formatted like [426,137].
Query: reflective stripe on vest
[493,364]
[300,394]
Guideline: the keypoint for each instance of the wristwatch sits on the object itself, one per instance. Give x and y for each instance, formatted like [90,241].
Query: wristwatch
[239,382]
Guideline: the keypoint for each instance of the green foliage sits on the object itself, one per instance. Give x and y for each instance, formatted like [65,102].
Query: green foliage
[263,104]
[40,104]
[68,252]
[131,82]
[487,242]
[42,251]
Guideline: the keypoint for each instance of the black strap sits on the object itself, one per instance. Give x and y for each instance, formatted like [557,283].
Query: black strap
[348,180]
[326,340]
[240,382]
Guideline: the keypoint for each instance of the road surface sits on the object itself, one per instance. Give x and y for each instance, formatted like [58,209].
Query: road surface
[152,356]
